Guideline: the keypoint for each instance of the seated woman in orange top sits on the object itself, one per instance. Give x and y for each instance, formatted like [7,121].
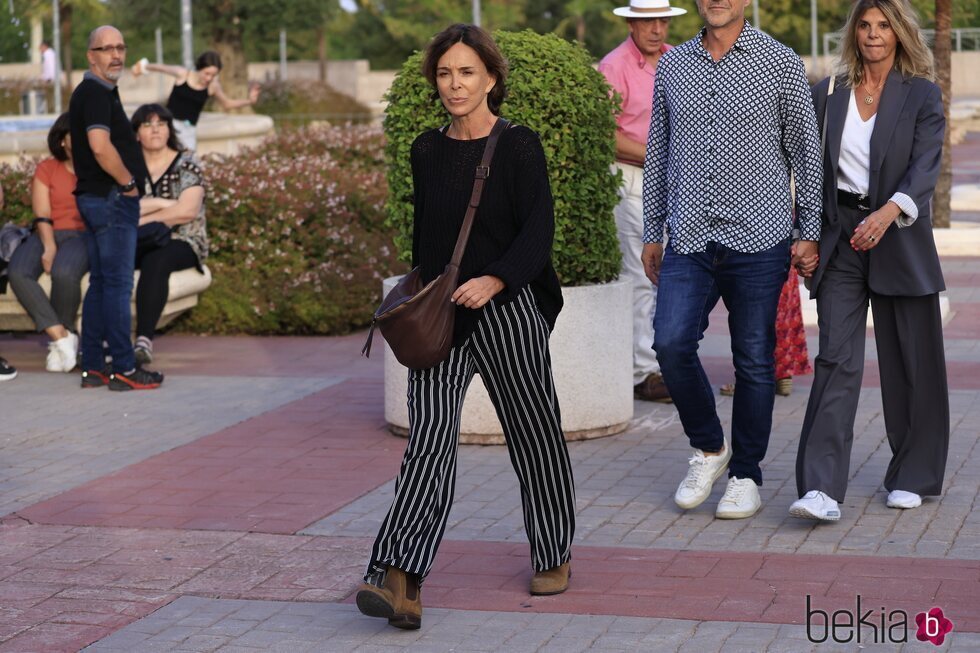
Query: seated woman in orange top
[55,247]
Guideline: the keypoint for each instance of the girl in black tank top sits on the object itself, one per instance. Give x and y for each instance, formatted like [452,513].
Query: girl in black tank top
[186,103]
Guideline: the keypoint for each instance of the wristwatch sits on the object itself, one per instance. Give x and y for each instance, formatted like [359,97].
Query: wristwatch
[131,186]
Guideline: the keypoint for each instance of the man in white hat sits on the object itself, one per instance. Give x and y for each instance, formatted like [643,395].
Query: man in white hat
[631,69]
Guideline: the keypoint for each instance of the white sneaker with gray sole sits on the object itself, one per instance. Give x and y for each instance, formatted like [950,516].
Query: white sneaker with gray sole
[903,499]
[815,505]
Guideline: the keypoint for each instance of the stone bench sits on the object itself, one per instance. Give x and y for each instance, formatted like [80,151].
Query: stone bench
[185,286]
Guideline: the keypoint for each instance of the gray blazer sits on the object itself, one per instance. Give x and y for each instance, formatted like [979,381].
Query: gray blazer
[906,149]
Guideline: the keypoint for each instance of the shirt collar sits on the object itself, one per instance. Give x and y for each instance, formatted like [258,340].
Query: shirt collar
[748,38]
[90,75]
[638,56]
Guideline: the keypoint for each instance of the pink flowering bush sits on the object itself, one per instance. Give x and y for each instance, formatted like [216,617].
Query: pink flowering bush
[298,242]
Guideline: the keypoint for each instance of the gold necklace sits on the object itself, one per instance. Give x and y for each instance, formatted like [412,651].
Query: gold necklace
[869,98]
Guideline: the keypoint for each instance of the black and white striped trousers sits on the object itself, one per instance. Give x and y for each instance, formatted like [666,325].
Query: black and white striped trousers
[509,349]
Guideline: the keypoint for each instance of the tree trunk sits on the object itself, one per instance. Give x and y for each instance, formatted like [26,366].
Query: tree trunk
[580,30]
[321,51]
[227,37]
[65,12]
[942,50]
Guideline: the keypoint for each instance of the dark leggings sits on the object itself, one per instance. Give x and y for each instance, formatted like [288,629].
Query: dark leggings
[155,266]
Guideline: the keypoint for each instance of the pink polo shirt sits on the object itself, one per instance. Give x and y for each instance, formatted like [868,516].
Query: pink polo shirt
[627,71]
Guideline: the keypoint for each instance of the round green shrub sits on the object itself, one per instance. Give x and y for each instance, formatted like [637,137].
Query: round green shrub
[553,89]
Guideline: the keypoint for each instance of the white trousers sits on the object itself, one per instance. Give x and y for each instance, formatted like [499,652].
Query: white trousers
[629,227]
[187,133]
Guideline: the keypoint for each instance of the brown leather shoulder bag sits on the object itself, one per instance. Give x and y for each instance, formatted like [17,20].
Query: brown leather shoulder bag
[416,320]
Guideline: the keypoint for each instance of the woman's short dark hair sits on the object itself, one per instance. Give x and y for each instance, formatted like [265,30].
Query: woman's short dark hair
[209,58]
[485,47]
[147,111]
[56,137]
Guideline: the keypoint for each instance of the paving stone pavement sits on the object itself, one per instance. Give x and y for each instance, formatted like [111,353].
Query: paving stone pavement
[192,624]
[647,577]
[625,486]
[49,445]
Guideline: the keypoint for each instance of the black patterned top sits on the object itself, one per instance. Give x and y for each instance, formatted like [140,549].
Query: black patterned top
[182,174]
[724,138]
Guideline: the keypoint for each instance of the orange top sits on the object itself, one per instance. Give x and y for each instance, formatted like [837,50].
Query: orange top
[61,186]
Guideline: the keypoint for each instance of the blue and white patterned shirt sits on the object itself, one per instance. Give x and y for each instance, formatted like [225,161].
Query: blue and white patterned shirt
[723,138]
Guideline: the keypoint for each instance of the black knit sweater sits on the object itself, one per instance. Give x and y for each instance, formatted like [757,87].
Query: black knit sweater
[513,228]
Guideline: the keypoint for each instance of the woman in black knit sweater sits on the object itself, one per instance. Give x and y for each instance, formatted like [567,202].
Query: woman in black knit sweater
[506,305]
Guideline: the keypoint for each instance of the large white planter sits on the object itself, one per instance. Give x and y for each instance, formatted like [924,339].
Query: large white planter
[592,358]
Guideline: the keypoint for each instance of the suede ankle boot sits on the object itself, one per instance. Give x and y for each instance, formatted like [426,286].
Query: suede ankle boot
[399,600]
[551,581]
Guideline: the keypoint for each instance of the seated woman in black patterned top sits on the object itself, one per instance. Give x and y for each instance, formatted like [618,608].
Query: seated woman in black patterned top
[176,201]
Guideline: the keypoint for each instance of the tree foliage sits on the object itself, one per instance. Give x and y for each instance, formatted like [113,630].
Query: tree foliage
[554,90]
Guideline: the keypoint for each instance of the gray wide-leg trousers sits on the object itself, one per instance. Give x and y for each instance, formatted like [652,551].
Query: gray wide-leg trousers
[912,365]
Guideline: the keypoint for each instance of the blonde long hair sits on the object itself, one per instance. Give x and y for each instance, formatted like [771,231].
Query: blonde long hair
[913,58]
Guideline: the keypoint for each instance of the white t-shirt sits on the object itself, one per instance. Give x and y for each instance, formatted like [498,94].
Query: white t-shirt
[855,151]
[47,65]
[854,164]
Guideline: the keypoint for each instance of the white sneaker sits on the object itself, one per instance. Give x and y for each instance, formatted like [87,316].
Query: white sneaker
[903,499]
[702,472]
[62,354]
[741,499]
[54,362]
[69,351]
[815,505]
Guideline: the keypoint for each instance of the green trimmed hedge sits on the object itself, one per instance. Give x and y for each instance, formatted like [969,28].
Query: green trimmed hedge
[553,89]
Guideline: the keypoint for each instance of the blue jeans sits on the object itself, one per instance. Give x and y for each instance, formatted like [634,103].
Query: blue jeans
[106,313]
[689,287]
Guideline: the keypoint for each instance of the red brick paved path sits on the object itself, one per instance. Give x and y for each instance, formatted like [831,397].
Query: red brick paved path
[217,518]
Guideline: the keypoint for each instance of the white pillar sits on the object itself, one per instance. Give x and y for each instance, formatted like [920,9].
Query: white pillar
[813,39]
[282,55]
[186,34]
[37,35]
[158,37]
[56,42]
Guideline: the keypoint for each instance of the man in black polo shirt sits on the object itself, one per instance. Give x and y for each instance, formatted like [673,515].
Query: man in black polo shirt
[111,176]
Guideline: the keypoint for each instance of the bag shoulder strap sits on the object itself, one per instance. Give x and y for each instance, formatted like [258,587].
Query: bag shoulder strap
[482,172]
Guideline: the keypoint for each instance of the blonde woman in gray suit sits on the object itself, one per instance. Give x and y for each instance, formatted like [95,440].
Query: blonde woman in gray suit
[884,141]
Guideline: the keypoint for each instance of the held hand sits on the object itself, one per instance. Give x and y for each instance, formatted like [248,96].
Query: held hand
[872,229]
[652,257]
[253,93]
[477,292]
[804,257]
[136,69]
[132,193]
[47,257]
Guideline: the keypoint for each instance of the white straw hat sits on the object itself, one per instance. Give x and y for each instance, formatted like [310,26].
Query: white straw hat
[649,9]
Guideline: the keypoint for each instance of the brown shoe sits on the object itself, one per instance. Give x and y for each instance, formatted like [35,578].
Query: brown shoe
[551,581]
[399,600]
[652,388]
[784,387]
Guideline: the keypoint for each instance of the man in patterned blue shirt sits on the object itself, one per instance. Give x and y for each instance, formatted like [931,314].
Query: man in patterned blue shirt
[732,120]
